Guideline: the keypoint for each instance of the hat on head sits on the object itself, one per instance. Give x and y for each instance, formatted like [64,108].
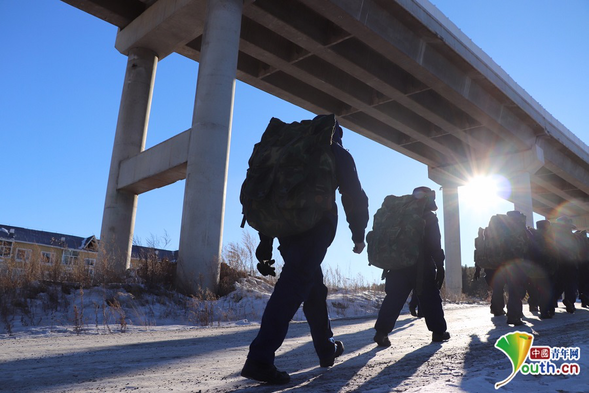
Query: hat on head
[422,191]
[517,215]
[426,192]
[543,224]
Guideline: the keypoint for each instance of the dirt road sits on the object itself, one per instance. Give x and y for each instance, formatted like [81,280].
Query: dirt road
[209,359]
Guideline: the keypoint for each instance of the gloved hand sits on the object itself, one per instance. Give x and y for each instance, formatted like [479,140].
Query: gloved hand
[477,274]
[358,247]
[264,249]
[440,275]
[266,268]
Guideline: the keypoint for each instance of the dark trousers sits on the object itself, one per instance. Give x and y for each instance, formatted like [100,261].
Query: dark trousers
[399,284]
[496,283]
[414,305]
[514,275]
[301,281]
[567,281]
[414,302]
[539,286]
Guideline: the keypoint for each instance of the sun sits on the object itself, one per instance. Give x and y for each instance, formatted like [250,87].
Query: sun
[481,191]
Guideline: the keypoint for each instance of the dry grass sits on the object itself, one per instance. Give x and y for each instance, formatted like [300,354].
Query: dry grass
[24,285]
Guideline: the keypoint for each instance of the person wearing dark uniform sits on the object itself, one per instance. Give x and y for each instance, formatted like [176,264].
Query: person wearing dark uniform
[567,276]
[544,267]
[301,280]
[497,284]
[426,279]
[514,273]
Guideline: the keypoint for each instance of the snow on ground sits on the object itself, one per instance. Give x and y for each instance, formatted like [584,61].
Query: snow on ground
[160,345]
[64,310]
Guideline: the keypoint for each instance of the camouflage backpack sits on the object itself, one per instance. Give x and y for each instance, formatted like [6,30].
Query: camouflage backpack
[398,229]
[291,180]
[506,238]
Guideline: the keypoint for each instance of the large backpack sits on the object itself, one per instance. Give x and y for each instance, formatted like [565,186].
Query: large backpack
[291,180]
[506,238]
[542,251]
[396,239]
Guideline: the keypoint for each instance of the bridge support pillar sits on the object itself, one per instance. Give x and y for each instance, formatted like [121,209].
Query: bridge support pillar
[208,152]
[118,220]
[522,195]
[453,281]
[450,183]
[519,168]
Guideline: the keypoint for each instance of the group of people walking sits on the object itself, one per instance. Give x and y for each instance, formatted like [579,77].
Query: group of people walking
[301,279]
[553,268]
[289,195]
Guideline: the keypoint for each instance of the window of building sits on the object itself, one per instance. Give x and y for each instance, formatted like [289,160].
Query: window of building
[47,257]
[90,263]
[5,248]
[70,258]
[23,254]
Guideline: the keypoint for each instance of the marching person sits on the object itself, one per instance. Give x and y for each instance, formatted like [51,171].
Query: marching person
[426,277]
[567,275]
[301,279]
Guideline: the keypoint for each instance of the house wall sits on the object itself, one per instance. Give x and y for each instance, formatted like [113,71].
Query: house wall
[53,261]
[58,263]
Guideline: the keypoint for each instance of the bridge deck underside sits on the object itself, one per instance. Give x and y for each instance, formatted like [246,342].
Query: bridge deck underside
[392,73]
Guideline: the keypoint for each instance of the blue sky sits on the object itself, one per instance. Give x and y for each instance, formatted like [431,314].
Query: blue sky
[60,87]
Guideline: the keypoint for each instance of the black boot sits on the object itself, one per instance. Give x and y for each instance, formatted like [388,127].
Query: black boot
[584,300]
[570,306]
[515,321]
[497,312]
[382,339]
[338,350]
[264,372]
[440,337]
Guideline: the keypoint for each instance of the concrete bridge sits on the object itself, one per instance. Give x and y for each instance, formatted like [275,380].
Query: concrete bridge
[398,72]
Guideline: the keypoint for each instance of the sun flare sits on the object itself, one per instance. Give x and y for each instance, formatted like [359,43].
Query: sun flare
[481,191]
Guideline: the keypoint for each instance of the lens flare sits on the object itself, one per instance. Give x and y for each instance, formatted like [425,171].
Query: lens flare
[485,191]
